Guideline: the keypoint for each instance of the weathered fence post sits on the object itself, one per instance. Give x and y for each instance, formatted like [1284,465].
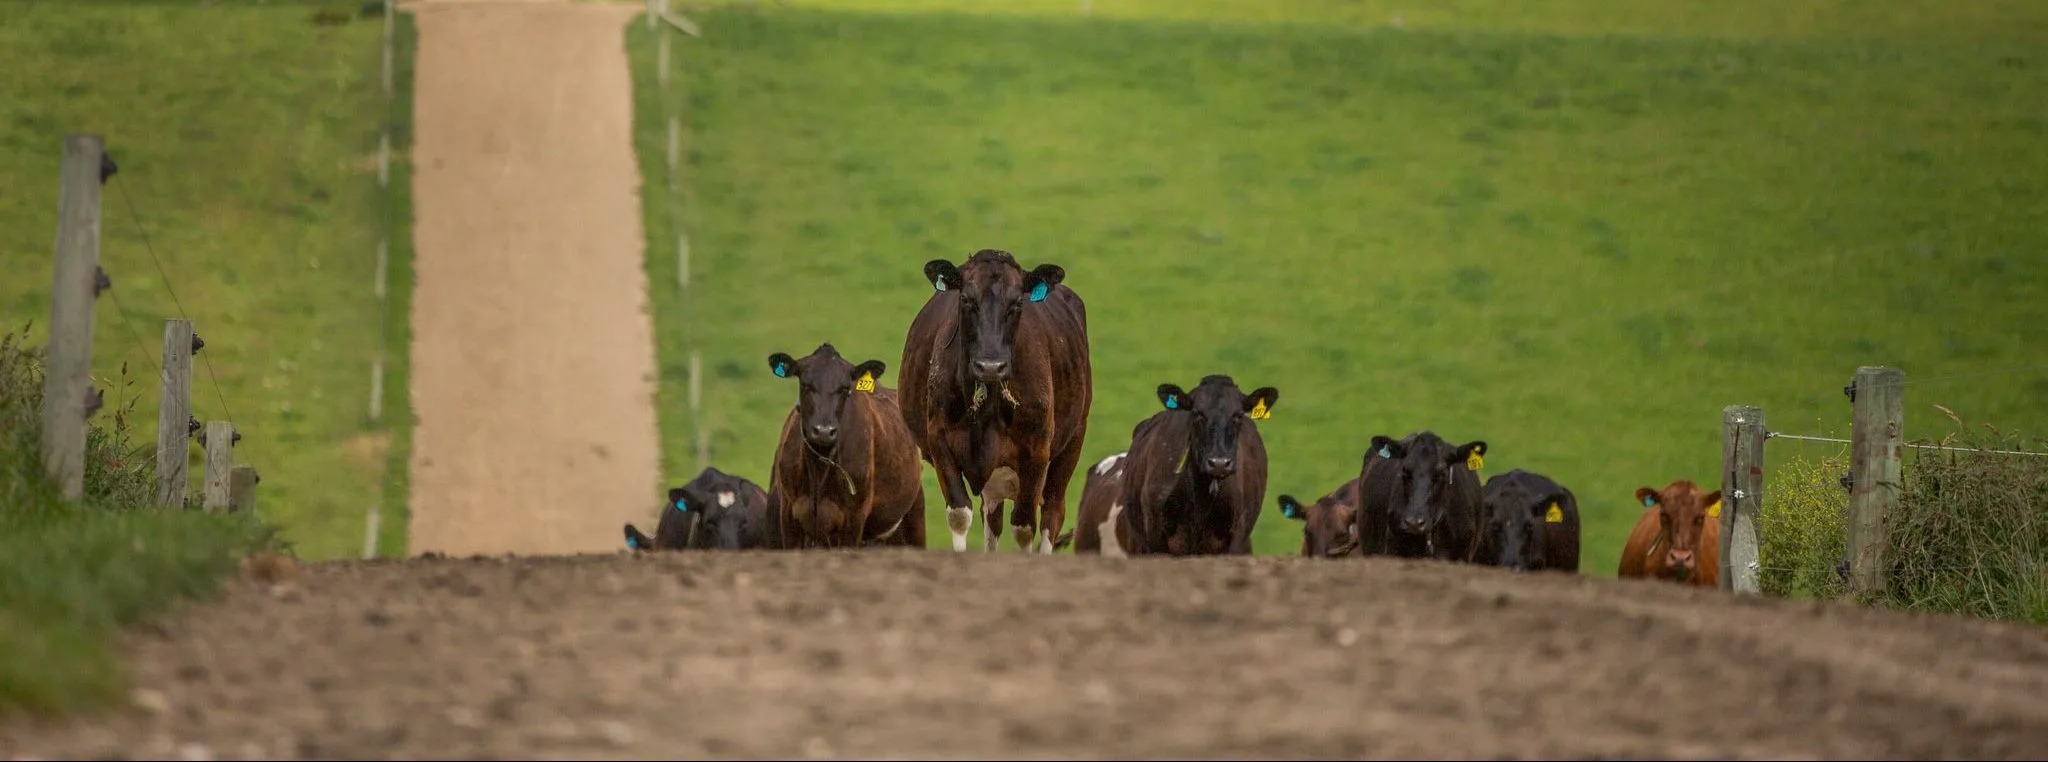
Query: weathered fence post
[67,367]
[1878,396]
[219,440]
[174,413]
[242,483]
[1742,496]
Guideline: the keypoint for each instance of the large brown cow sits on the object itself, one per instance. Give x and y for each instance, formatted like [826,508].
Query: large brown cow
[996,375]
[846,472]
[1678,537]
[1423,500]
[1329,526]
[1196,476]
[1098,526]
[1529,523]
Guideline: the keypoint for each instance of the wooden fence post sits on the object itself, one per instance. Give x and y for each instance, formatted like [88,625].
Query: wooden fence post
[242,483]
[174,413]
[67,365]
[1742,496]
[1878,396]
[219,440]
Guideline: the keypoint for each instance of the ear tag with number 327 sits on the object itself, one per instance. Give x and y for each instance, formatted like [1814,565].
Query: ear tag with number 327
[866,383]
[1259,411]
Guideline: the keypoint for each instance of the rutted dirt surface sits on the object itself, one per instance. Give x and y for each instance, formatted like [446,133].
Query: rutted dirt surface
[533,354]
[909,654]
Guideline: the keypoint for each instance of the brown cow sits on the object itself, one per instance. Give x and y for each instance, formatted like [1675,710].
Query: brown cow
[1196,476]
[996,376]
[1099,527]
[846,472]
[1679,538]
[1329,526]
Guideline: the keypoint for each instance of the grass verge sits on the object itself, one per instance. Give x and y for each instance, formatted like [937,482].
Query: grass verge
[247,138]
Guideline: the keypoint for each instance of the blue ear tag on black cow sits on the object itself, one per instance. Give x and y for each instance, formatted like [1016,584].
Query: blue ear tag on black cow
[680,506]
[1649,500]
[1288,510]
[1038,292]
[1386,453]
[632,543]
[781,370]
[1172,402]
[939,283]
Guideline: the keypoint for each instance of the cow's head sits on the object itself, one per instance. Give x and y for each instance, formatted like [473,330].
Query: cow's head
[1683,510]
[1424,468]
[825,382]
[1327,528]
[1515,516]
[1218,412]
[718,501]
[993,293]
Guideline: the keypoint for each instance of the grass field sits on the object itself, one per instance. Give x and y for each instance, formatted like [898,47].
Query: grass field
[247,140]
[1573,232]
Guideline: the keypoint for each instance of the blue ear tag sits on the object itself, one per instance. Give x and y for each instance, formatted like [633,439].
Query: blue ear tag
[1038,292]
[939,283]
[681,507]
[1649,500]
[781,370]
[1288,510]
[1386,453]
[631,543]
[1172,402]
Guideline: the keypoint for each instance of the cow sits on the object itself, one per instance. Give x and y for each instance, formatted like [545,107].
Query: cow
[1422,501]
[1196,473]
[846,473]
[995,376]
[715,511]
[1099,528]
[1529,523]
[1678,536]
[1329,526]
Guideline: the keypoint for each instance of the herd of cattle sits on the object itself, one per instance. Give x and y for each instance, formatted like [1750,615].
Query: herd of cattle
[994,391]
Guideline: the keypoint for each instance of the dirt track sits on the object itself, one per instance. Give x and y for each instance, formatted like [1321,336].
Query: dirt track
[902,654]
[532,353]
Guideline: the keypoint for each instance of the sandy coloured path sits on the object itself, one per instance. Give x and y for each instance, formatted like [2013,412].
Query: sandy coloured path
[533,364]
[900,654]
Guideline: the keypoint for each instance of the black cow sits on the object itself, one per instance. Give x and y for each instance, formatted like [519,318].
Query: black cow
[996,376]
[1196,474]
[1423,500]
[715,511]
[1530,523]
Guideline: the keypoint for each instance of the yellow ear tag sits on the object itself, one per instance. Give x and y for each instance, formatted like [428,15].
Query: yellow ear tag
[1474,461]
[866,383]
[1553,516]
[1259,412]
[1714,511]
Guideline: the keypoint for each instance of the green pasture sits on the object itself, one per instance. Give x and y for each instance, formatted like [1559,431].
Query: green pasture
[1576,233]
[246,136]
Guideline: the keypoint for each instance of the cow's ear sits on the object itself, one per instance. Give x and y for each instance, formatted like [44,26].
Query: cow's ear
[1473,453]
[1385,447]
[1172,397]
[1291,508]
[1713,504]
[943,275]
[676,499]
[1549,510]
[1646,496]
[1039,282]
[782,364]
[637,541]
[1259,404]
[866,374]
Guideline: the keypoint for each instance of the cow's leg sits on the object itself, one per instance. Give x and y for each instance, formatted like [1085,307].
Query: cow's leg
[959,505]
[1241,532]
[991,523]
[1032,466]
[1052,510]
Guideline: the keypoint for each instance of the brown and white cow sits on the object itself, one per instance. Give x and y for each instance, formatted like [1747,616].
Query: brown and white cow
[996,375]
[1098,526]
[846,470]
[1329,526]
[1196,476]
[1678,537]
